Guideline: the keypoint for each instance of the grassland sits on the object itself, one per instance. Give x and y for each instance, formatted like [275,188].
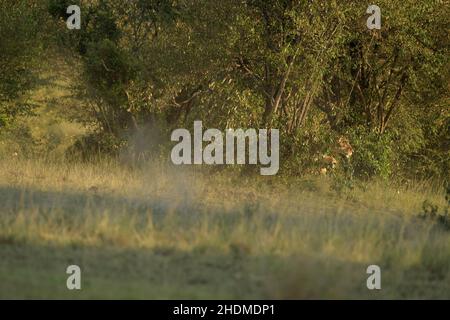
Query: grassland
[159,232]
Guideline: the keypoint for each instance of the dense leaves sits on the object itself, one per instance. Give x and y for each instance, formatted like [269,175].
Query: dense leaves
[310,68]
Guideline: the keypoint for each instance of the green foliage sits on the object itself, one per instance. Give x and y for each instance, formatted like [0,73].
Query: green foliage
[58,8]
[374,154]
[94,146]
[312,69]
[432,157]
[19,36]
[108,68]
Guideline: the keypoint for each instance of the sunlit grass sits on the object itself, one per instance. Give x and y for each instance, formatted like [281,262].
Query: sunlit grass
[299,240]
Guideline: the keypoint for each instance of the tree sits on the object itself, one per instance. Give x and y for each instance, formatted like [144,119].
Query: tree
[21,28]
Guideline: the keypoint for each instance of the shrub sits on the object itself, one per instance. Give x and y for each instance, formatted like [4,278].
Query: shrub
[95,145]
[373,156]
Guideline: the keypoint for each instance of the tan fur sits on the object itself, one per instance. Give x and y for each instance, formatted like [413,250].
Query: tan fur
[329,161]
[345,148]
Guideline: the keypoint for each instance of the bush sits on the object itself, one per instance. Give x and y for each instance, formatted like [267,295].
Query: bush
[95,145]
[373,156]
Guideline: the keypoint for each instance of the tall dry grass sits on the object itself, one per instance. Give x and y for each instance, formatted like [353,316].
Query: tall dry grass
[296,239]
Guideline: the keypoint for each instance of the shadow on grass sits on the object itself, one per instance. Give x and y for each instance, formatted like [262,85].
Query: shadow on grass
[29,270]
[36,272]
